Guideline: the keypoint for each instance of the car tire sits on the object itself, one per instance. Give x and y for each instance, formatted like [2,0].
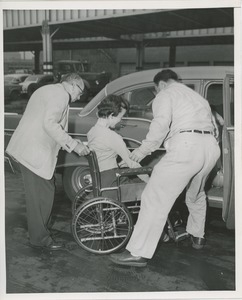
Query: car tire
[14,95]
[75,178]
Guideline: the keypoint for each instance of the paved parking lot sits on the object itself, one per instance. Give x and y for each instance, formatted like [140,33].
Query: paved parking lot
[173,268]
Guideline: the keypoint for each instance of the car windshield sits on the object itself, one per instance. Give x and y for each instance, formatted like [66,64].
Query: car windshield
[79,67]
[14,79]
[90,76]
[33,78]
[9,79]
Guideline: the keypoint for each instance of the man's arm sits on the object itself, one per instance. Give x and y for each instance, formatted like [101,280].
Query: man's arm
[117,143]
[159,127]
[55,109]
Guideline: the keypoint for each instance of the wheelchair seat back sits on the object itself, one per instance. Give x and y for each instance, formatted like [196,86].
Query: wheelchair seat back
[95,173]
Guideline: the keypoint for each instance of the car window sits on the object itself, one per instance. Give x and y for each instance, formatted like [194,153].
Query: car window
[33,78]
[9,79]
[191,86]
[22,78]
[66,68]
[141,96]
[215,97]
[48,79]
[79,67]
[140,100]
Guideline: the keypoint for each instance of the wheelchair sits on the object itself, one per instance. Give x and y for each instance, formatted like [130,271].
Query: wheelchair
[103,225]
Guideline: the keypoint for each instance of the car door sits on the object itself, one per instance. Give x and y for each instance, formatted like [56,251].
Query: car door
[228,213]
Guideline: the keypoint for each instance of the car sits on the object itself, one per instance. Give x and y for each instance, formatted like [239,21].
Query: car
[33,82]
[216,84]
[12,87]
[94,81]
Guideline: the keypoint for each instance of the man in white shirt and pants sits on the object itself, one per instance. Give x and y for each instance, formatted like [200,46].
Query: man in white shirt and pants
[184,122]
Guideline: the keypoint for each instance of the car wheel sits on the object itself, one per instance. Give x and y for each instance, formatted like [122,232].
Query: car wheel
[75,178]
[14,95]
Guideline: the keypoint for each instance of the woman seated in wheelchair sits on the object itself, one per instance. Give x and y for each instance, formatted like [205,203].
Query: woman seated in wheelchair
[108,144]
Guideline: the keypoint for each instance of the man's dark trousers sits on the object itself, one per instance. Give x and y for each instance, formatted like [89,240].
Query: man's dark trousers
[39,201]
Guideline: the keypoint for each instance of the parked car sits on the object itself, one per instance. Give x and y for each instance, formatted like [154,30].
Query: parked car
[12,87]
[63,67]
[214,83]
[97,81]
[94,81]
[33,82]
[23,71]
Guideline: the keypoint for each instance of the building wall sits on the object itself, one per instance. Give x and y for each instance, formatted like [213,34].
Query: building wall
[13,62]
[185,56]
[123,61]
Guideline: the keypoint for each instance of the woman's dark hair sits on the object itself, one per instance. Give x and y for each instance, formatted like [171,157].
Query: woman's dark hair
[112,104]
[165,75]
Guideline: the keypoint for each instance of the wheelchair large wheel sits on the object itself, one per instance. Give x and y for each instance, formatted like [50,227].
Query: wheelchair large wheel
[82,195]
[102,225]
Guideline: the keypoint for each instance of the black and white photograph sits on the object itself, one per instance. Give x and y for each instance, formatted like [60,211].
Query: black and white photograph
[121,158]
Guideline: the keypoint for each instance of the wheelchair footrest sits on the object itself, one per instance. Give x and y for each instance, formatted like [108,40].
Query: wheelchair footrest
[178,234]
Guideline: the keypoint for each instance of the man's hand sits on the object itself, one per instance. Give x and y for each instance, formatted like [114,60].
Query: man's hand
[81,149]
[137,155]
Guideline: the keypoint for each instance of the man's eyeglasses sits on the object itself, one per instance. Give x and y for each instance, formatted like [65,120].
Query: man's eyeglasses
[79,88]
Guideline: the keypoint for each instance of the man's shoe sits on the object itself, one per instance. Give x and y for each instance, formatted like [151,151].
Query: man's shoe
[198,243]
[165,238]
[53,246]
[126,259]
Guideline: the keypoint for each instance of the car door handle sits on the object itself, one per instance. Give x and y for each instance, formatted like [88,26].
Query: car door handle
[226,151]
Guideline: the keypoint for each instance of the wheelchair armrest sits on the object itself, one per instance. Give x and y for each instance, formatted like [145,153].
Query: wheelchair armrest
[134,171]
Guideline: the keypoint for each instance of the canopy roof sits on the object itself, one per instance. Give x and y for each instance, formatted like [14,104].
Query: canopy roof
[151,27]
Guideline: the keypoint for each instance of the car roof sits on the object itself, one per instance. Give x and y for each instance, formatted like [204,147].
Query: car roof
[41,75]
[69,61]
[206,72]
[16,75]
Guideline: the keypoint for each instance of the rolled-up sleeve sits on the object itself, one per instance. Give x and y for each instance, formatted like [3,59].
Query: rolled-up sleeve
[160,125]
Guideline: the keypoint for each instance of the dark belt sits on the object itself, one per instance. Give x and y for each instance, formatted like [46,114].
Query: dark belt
[197,131]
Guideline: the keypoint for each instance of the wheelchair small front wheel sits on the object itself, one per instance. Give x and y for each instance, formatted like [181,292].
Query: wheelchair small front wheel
[102,225]
[82,195]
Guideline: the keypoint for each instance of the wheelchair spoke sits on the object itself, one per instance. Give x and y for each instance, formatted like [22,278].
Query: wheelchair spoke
[102,226]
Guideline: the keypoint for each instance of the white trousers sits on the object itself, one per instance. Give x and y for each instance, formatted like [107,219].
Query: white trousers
[187,163]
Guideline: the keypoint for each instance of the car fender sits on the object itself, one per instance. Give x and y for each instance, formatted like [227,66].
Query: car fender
[72,159]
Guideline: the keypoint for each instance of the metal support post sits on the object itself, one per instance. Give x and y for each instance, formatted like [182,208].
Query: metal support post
[172,56]
[139,56]
[36,61]
[47,48]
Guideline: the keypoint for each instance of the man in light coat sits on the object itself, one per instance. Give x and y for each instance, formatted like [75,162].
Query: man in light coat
[184,122]
[35,144]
